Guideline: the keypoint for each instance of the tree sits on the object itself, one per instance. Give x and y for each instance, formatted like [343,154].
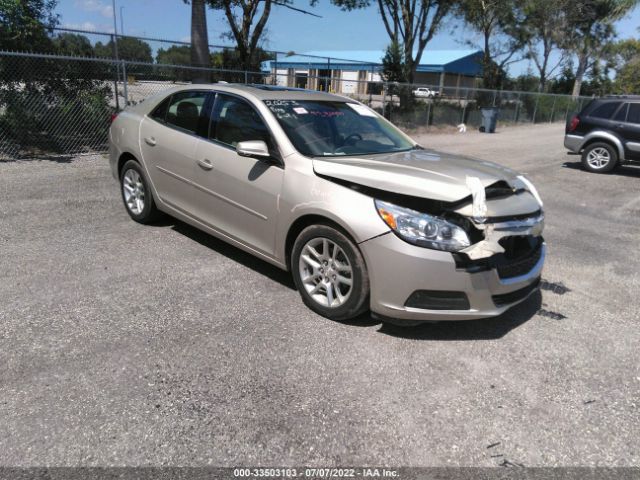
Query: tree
[199,40]
[543,25]
[625,59]
[393,65]
[411,23]
[129,48]
[496,21]
[174,55]
[590,31]
[73,44]
[24,24]
[246,38]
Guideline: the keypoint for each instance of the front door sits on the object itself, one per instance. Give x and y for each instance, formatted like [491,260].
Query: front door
[237,195]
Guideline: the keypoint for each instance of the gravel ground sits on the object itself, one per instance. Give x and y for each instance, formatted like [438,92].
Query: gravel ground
[131,345]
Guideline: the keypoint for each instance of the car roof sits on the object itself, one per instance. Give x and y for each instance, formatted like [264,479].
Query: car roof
[265,92]
[617,98]
[257,92]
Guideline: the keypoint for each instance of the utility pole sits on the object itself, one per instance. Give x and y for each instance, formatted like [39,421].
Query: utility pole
[121,21]
[115,29]
[115,52]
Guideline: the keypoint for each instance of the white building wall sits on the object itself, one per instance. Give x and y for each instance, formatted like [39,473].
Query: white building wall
[349,81]
[282,77]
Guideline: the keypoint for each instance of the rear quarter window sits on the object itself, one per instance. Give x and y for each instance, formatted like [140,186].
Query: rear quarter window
[605,110]
[160,112]
[634,113]
[621,115]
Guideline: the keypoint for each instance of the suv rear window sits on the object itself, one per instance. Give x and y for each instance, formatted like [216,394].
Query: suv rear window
[605,110]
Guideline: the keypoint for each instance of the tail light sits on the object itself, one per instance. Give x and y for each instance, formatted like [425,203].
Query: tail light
[573,124]
[113,117]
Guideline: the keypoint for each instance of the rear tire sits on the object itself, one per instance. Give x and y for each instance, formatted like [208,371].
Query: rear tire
[136,194]
[330,273]
[599,157]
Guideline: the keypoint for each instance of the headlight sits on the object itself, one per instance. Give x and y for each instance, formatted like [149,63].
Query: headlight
[422,229]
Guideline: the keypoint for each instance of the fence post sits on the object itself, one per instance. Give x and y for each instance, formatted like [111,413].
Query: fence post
[370,92]
[495,92]
[384,98]
[125,83]
[275,77]
[428,114]
[464,107]
[553,110]
[115,81]
[535,109]
[515,117]
[246,77]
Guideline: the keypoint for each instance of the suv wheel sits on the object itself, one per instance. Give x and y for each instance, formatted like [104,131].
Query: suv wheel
[136,195]
[599,157]
[330,273]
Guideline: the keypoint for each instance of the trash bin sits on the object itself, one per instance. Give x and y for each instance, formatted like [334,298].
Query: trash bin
[489,119]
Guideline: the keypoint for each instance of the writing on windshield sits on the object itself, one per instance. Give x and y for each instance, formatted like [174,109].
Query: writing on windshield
[329,128]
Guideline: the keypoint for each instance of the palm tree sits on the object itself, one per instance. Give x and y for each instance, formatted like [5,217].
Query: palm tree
[199,41]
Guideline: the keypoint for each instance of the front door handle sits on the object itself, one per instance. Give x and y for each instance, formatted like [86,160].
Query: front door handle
[205,163]
[150,141]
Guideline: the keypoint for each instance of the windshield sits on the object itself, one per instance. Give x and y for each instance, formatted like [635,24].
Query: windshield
[327,129]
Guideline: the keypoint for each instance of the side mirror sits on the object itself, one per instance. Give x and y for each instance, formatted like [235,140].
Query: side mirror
[253,148]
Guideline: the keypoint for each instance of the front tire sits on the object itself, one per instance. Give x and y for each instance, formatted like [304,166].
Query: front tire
[599,157]
[136,194]
[330,273]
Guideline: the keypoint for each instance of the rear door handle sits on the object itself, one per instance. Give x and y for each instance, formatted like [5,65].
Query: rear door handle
[150,141]
[205,163]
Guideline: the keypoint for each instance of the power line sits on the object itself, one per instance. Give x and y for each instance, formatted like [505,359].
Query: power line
[291,7]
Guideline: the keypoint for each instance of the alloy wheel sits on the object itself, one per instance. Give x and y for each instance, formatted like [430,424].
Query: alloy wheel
[133,190]
[598,158]
[326,272]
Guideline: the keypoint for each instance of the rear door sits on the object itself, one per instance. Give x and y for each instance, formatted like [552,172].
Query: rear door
[601,116]
[238,195]
[168,140]
[632,132]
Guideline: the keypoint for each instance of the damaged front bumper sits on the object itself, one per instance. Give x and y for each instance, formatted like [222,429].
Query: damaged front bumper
[413,283]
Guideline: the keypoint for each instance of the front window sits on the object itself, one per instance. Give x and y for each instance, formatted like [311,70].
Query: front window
[328,129]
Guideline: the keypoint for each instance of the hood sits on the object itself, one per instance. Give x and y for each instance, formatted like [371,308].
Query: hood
[418,173]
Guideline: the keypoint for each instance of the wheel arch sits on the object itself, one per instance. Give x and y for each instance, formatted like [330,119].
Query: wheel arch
[124,158]
[305,221]
[605,137]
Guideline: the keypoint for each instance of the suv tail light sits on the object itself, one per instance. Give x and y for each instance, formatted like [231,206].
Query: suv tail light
[113,117]
[573,124]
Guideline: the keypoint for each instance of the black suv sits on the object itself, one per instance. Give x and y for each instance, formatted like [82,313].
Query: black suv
[606,132]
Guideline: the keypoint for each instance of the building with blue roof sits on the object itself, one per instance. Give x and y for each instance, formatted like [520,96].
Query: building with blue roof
[359,71]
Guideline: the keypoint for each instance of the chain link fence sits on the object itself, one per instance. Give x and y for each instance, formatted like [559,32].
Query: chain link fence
[59,105]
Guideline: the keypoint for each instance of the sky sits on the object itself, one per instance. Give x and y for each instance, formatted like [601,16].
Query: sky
[287,30]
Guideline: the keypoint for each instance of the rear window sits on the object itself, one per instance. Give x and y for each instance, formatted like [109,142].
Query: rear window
[605,110]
